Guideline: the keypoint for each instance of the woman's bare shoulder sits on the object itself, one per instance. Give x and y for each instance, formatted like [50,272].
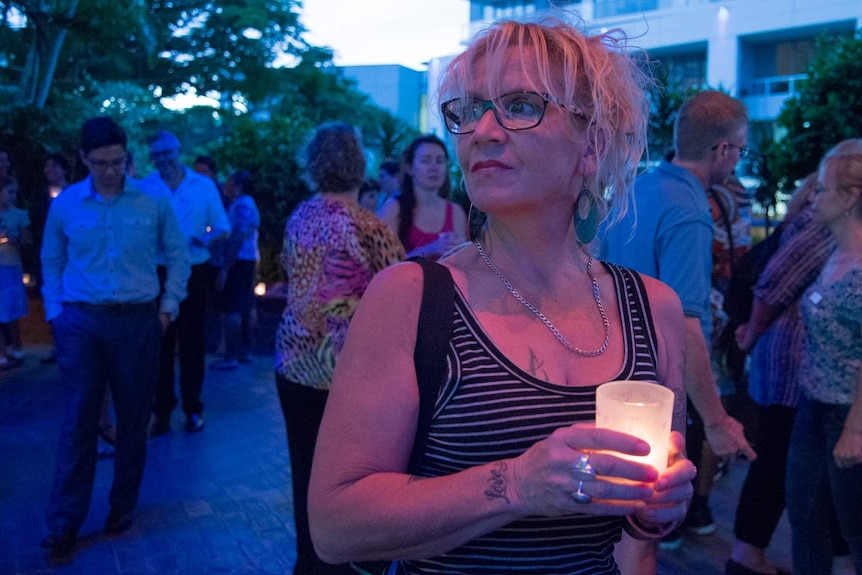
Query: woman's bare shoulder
[664,302]
[395,283]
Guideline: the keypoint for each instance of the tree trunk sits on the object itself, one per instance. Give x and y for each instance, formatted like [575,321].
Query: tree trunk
[49,35]
[50,65]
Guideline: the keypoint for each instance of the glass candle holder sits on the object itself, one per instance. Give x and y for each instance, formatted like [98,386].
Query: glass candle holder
[640,408]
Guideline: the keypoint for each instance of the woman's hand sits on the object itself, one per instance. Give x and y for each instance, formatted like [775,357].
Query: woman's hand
[448,240]
[673,490]
[440,246]
[848,450]
[743,337]
[546,481]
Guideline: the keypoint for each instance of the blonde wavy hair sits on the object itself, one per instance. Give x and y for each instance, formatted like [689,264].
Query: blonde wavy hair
[594,77]
[845,158]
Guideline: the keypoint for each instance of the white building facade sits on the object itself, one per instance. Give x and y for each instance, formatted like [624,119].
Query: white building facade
[757,50]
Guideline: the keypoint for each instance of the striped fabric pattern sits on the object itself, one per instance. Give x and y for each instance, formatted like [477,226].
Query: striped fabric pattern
[489,409]
[803,250]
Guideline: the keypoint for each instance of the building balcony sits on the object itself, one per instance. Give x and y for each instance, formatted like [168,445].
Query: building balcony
[611,8]
[764,97]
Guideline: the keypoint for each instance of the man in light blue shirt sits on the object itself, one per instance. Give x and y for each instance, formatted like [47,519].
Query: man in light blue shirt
[200,212]
[672,242]
[99,258]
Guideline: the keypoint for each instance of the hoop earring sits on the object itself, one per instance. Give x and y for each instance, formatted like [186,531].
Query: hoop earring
[586,217]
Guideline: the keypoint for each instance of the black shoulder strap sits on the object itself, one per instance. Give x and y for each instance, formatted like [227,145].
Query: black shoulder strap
[432,339]
[434,331]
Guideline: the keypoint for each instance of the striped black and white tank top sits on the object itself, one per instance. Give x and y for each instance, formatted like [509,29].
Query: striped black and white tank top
[489,409]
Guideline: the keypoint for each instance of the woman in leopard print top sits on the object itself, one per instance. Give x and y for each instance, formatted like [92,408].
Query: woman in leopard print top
[332,249]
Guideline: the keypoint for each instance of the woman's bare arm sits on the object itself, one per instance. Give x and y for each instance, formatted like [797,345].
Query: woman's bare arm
[362,504]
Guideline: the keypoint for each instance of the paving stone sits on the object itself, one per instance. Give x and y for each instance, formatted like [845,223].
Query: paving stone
[214,502]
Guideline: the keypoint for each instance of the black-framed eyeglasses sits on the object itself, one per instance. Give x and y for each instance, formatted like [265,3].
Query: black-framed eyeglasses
[163,154]
[515,111]
[820,189]
[102,165]
[744,151]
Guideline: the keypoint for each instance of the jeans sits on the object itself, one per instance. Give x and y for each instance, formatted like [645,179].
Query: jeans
[185,337]
[99,345]
[815,483]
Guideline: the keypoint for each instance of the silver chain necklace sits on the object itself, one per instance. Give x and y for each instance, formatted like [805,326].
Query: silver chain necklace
[562,339]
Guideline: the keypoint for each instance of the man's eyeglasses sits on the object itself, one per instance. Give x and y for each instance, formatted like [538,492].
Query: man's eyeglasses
[820,189]
[102,165]
[744,151]
[515,111]
[162,154]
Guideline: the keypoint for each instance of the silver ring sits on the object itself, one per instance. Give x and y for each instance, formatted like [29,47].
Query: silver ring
[582,469]
[579,496]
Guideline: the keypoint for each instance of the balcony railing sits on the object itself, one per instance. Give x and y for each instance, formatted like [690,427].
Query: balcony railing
[611,8]
[774,86]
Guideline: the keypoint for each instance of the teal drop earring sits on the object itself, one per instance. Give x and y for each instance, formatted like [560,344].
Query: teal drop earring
[586,217]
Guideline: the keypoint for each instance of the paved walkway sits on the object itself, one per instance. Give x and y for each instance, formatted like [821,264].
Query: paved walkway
[213,502]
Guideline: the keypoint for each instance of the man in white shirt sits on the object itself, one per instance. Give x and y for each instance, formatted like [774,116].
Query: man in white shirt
[202,218]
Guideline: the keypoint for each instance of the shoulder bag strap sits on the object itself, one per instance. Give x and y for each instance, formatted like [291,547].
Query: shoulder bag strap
[432,338]
[434,331]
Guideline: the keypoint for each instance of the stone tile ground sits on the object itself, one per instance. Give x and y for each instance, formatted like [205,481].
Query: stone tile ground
[216,502]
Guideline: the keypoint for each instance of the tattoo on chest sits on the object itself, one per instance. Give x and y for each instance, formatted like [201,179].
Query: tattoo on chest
[536,366]
[497,483]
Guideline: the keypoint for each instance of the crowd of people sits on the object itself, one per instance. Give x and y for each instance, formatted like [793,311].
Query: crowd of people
[437,366]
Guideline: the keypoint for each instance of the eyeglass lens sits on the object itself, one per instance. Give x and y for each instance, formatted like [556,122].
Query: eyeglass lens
[517,111]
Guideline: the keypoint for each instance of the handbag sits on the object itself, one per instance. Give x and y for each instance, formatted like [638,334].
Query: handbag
[433,333]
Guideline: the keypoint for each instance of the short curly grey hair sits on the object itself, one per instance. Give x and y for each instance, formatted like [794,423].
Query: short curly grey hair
[333,159]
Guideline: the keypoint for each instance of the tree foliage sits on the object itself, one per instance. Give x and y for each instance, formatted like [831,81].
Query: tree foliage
[47,26]
[314,92]
[120,58]
[229,46]
[827,109]
[667,95]
[67,42]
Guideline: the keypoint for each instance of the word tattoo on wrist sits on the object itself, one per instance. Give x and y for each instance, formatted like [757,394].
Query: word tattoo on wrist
[497,483]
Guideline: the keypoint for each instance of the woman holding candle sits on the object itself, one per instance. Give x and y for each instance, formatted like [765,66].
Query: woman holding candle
[549,125]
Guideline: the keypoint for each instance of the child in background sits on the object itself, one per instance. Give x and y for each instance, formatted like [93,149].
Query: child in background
[14,233]
[369,194]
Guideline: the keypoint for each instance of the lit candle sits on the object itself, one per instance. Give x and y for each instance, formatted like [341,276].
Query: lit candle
[640,408]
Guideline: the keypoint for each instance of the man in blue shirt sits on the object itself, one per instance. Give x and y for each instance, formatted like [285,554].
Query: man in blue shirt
[672,241]
[200,212]
[101,243]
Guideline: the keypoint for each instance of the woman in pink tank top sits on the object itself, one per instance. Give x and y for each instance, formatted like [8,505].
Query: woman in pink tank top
[427,223]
